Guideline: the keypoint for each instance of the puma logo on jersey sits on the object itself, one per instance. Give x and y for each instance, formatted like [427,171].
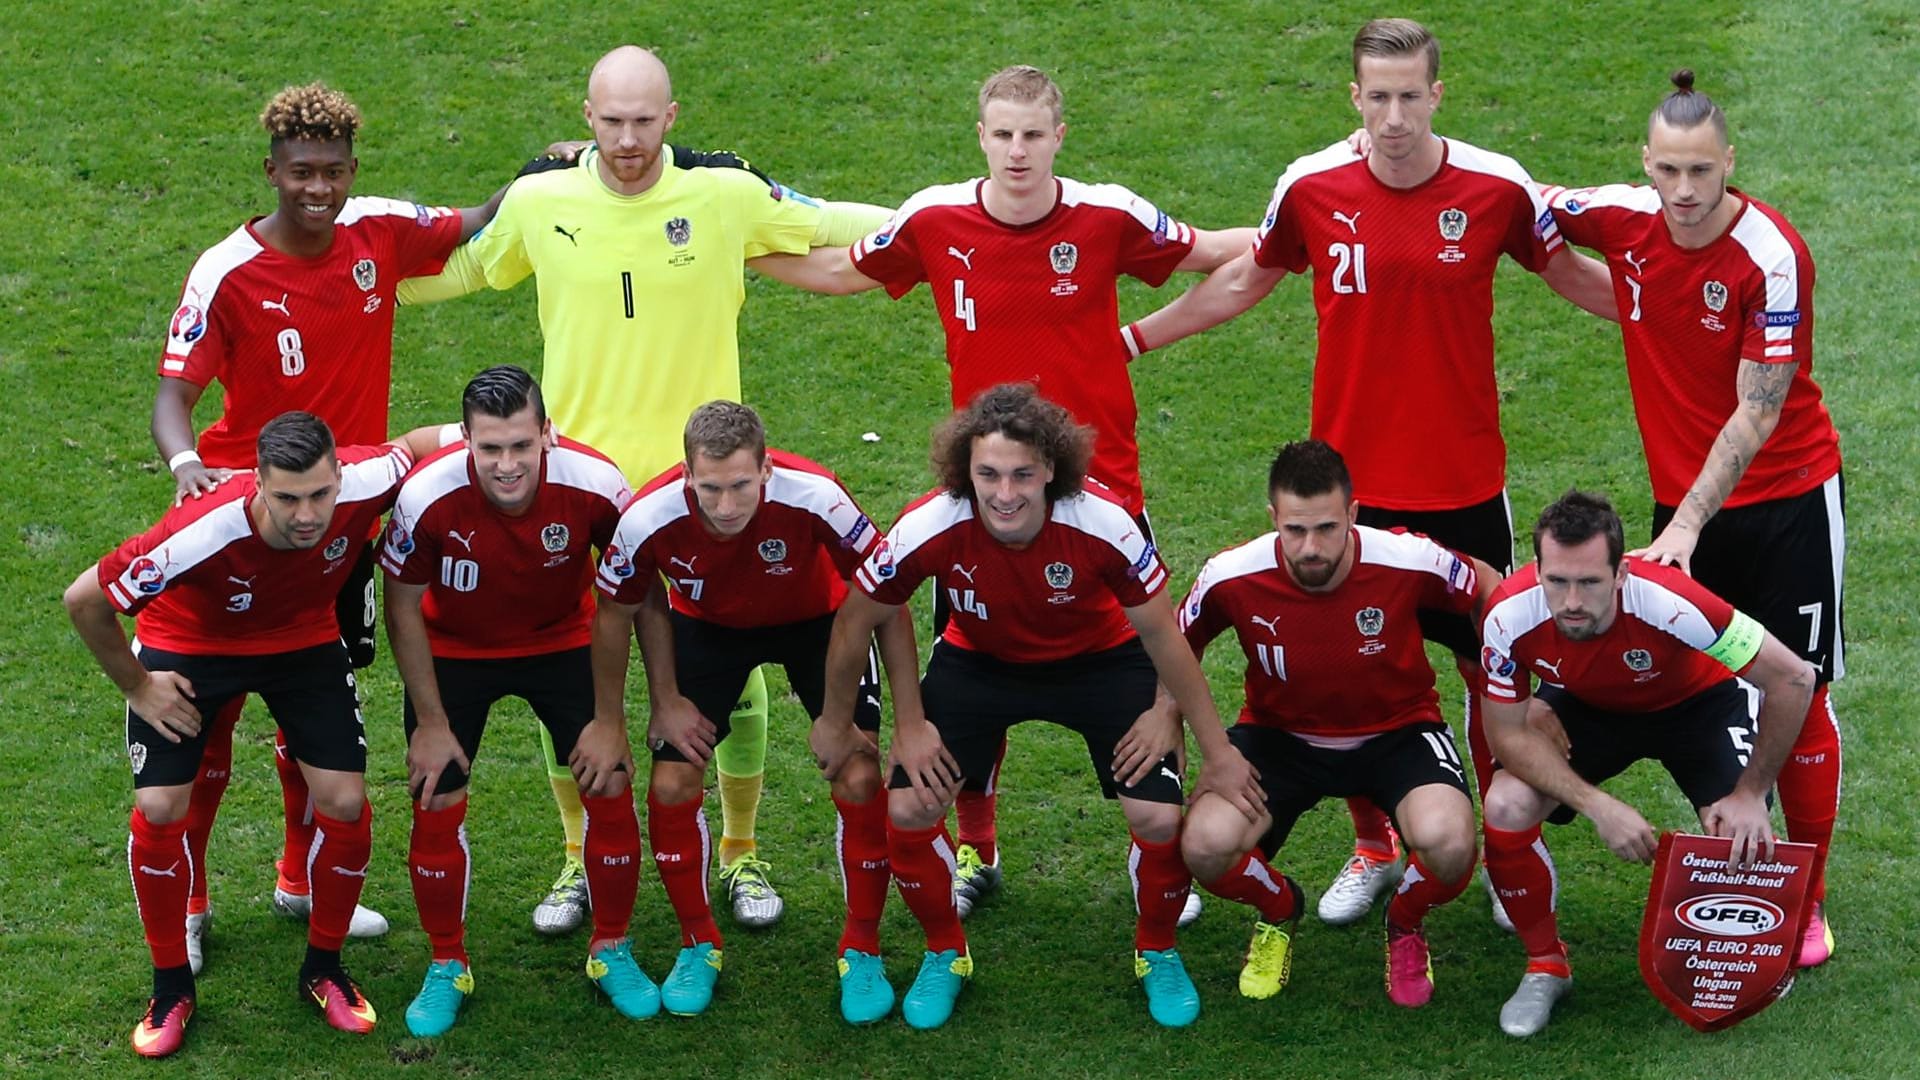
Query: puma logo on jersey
[572,237]
[1639,265]
[279,305]
[243,582]
[344,872]
[168,872]
[965,260]
[1351,222]
[1553,667]
[966,572]
[688,563]
[465,541]
[1272,625]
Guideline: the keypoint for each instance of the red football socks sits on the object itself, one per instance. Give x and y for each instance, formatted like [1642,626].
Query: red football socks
[296,802]
[440,866]
[923,866]
[337,872]
[1253,881]
[1523,874]
[1809,784]
[1420,892]
[976,812]
[216,768]
[161,867]
[612,855]
[861,840]
[682,852]
[1161,884]
[1372,831]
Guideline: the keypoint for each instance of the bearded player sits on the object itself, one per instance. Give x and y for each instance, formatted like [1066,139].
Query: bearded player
[1402,245]
[1339,702]
[1635,660]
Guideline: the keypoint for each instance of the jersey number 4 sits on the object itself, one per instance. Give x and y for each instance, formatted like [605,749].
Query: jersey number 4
[962,304]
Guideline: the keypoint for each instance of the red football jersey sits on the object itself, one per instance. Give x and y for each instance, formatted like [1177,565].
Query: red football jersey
[1332,664]
[203,582]
[1403,379]
[1037,302]
[502,586]
[1058,597]
[791,563]
[1689,316]
[282,332]
[1654,656]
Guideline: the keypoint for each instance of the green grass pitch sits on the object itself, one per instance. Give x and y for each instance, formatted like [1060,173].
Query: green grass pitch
[131,145]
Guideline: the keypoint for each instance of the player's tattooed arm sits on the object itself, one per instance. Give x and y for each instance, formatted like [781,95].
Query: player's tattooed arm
[1762,394]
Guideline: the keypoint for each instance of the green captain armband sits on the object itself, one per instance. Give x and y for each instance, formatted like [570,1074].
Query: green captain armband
[1739,643]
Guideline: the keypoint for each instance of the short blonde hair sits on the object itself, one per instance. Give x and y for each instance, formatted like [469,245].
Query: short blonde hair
[313,111]
[1385,38]
[720,429]
[1022,83]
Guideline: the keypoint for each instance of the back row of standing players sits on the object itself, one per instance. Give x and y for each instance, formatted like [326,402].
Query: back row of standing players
[1022,266]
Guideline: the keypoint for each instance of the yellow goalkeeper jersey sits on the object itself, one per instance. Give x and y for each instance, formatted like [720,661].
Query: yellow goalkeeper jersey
[639,294]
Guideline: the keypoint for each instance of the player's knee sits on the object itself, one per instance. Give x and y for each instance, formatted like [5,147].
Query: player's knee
[907,811]
[340,800]
[1449,852]
[163,805]
[1212,838]
[676,782]
[1512,806]
[859,782]
[1156,823]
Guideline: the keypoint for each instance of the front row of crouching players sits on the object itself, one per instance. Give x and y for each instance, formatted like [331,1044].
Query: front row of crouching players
[1059,613]
[755,547]
[1340,703]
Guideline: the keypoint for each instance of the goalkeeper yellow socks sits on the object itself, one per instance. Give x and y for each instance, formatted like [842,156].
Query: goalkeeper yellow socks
[566,795]
[741,761]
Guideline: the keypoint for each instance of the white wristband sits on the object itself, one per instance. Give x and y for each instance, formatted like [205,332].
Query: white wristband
[181,458]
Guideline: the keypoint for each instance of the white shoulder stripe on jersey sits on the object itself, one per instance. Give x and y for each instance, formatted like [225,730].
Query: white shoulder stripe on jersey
[1760,237]
[203,282]
[1639,198]
[1505,623]
[1253,557]
[198,541]
[1110,523]
[376,476]
[1667,611]
[817,495]
[1473,159]
[361,207]
[964,193]
[1119,197]
[587,472]
[1407,551]
[1333,157]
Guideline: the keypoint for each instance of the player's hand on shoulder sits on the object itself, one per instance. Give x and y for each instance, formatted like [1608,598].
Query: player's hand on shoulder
[1673,547]
[1743,819]
[1154,734]
[599,755]
[1228,774]
[165,702]
[1623,830]
[676,722]
[1360,142]
[931,770]
[194,480]
[558,155]
[432,748]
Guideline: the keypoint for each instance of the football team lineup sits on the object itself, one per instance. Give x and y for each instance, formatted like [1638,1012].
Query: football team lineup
[626,498]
